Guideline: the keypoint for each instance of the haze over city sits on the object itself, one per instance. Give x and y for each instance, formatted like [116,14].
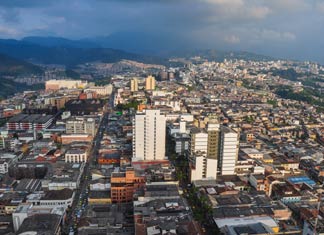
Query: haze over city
[279,28]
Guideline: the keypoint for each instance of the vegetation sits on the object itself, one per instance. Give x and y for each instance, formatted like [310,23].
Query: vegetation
[307,95]
[12,67]
[131,104]
[9,87]
[72,74]
[103,81]
[274,103]
[289,74]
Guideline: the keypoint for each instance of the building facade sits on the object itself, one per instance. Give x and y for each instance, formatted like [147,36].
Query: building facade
[150,83]
[134,85]
[81,126]
[212,151]
[124,185]
[149,129]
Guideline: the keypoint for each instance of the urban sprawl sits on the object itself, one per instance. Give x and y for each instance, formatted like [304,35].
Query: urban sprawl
[233,147]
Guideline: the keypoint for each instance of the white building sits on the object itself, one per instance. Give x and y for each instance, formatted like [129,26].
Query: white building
[101,90]
[228,151]
[212,151]
[81,125]
[76,155]
[69,84]
[204,152]
[53,198]
[4,167]
[149,129]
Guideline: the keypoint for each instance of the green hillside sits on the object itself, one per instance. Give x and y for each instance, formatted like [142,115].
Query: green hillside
[14,67]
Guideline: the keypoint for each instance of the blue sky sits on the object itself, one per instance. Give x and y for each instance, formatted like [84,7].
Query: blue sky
[282,28]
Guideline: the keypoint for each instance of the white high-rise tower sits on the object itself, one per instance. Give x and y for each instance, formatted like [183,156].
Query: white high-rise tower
[149,129]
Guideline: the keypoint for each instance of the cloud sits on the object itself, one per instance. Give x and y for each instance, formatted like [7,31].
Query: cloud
[272,35]
[26,3]
[320,6]
[273,26]
[289,5]
[9,15]
[8,32]
[237,10]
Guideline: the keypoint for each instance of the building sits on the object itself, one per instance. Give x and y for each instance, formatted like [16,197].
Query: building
[149,128]
[29,122]
[58,102]
[80,125]
[41,224]
[100,90]
[85,107]
[150,83]
[52,198]
[124,184]
[3,166]
[69,84]
[212,151]
[26,210]
[134,85]
[76,155]
[228,151]
[68,139]
[204,151]
[162,210]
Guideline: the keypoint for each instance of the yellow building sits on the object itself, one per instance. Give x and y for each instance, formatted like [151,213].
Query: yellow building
[150,83]
[134,85]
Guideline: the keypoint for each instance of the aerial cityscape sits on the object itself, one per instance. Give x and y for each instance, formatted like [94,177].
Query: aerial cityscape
[161,117]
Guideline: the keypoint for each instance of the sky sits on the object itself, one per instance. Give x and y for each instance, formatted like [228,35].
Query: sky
[280,28]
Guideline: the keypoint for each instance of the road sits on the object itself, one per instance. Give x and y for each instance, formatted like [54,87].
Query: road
[81,194]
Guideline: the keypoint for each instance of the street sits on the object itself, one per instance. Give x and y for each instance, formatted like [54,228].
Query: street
[80,201]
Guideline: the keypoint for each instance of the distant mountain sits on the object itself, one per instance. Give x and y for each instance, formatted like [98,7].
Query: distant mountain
[135,42]
[60,42]
[145,48]
[218,55]
[69,56]
[12,66]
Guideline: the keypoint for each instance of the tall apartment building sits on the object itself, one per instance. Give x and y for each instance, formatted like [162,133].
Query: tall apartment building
[80,125]
[212,151]
[149,129]
[150,83]
[228,154]
[134,85]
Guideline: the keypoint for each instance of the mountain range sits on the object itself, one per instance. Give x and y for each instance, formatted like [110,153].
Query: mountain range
[62,52]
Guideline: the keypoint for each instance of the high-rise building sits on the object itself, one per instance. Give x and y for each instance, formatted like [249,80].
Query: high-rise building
[150,83]
[149,129]
[134,85]
[229,141]
[212,151]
